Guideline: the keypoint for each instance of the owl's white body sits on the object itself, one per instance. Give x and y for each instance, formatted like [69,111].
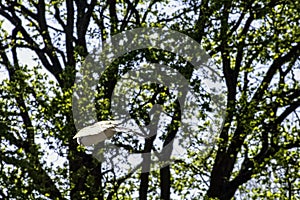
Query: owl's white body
[98,132]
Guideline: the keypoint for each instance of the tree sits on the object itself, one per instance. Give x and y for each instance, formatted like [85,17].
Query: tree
[255,44]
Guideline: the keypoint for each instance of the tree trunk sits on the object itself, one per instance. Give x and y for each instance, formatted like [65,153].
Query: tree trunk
[165,182]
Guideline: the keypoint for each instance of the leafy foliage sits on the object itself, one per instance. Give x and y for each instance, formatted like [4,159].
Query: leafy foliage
[256,46]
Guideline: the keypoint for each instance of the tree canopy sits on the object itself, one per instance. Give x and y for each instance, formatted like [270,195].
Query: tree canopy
[255,46]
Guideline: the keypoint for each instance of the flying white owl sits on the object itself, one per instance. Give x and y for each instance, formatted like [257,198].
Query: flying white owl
[99,132]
